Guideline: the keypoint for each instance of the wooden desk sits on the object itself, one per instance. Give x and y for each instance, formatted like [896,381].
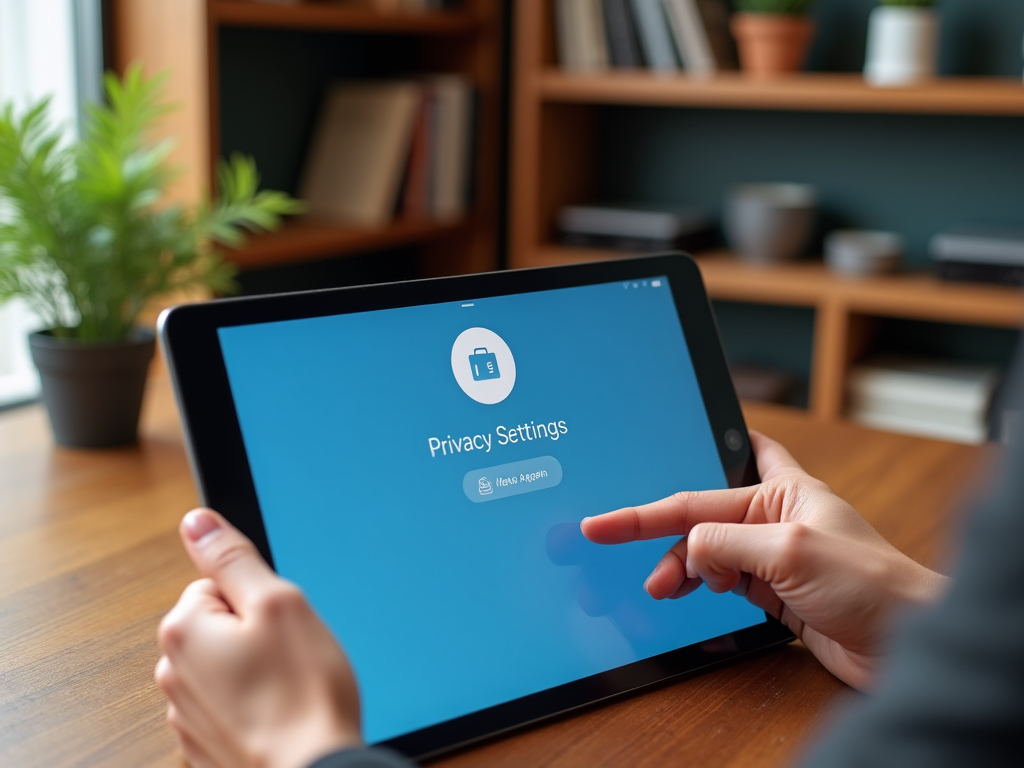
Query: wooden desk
[90,560]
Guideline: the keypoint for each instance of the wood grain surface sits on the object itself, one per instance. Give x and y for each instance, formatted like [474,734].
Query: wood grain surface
[90,561]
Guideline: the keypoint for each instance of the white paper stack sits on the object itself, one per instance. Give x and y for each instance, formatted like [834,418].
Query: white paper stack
[940,399]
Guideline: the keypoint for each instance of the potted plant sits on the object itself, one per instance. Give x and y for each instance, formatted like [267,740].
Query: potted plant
[85,242]
[903,43]
[772,35]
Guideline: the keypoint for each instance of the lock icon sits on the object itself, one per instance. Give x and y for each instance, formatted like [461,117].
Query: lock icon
[484,486]
[484,365]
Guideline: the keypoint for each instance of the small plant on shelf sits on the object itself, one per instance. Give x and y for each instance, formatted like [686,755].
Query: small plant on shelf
[86,243]
[772,35]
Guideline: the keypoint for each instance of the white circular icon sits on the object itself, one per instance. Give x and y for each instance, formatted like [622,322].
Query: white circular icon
[483,365]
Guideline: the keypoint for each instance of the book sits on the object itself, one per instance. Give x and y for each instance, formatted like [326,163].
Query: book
[973,272]
[567,31]
[972,435]
[962,420]
[764,385]
[979,255]
[651,222]
[714,15]
[450,146]
[940,399]
[691,39]
[655,39]
[623,43]
[637,229]
[416,197]
[978,245]
[592,35]
[580,35]
[359,151]
[938,384]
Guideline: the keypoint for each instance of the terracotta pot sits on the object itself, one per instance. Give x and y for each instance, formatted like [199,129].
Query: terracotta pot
[772,44]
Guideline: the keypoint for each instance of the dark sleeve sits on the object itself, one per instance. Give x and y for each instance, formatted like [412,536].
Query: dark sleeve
[365,757]
[953,691]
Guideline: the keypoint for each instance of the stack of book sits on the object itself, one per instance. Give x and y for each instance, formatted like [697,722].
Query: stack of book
[387,147]
[945,400]
[761,384]
[635,229]
[664,35]
[980,255]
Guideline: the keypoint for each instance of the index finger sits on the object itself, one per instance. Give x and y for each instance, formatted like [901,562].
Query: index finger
[674,516]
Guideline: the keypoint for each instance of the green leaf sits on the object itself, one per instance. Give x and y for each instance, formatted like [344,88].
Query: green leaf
[88,238]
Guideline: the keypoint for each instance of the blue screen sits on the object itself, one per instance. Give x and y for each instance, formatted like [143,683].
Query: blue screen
[422,473]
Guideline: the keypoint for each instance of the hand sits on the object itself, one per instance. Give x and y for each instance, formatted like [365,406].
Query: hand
[791,547]
[253,676]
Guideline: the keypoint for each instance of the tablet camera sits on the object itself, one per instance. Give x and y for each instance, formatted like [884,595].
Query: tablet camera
[733,439]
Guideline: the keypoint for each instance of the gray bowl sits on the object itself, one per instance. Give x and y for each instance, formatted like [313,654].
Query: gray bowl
[861,252]
[768,223]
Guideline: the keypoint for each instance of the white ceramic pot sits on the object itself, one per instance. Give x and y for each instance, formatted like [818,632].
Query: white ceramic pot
[903,45]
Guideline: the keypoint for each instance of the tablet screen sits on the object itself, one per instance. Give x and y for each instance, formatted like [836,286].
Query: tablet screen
[422,473]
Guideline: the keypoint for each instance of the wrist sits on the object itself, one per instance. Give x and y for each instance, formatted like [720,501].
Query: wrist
[920,585]
[307,745]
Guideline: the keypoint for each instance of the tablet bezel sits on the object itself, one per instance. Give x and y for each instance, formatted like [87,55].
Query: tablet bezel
[221,470]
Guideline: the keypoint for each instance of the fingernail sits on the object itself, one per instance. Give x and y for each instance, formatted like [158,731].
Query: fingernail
[585,520]
[199,524]
[648,582]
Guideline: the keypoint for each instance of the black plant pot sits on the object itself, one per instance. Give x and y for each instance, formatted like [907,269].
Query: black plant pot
[93,391]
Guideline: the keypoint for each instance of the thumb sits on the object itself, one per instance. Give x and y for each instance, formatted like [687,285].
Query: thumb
[223,553]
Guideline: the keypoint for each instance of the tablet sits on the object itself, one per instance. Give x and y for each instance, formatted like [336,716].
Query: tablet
[418,456]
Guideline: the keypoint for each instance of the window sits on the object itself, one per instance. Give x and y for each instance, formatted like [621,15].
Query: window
[47,48]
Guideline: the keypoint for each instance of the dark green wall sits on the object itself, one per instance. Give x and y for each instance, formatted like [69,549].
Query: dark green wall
[910,174]
[979,37]
[272,81]
[947,340]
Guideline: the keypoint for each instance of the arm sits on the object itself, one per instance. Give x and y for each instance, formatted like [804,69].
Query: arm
[252,675]
[953,686]
[791,547]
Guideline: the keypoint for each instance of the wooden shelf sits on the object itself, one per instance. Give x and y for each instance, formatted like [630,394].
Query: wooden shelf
[806,92]
[917,296]
[810,284]
[304,239]
[339,17]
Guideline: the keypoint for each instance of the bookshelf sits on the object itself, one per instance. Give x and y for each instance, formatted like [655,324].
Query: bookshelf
[556,160]
[197,42]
